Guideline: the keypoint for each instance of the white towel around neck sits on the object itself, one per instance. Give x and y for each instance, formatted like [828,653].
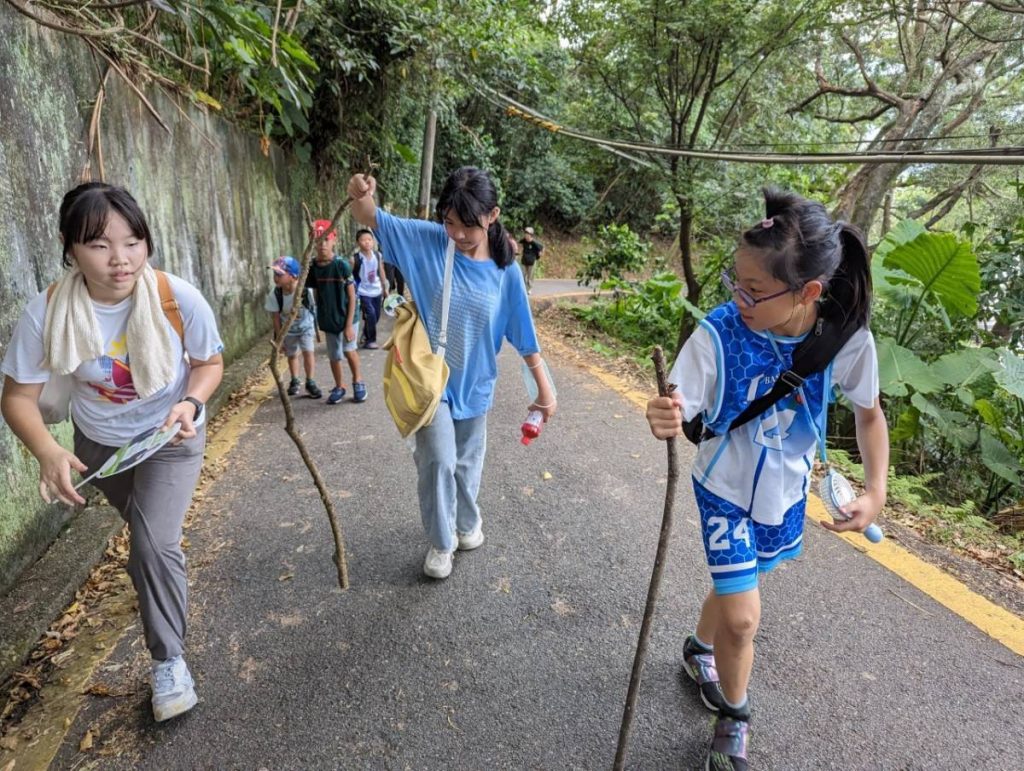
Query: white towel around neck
[71,332]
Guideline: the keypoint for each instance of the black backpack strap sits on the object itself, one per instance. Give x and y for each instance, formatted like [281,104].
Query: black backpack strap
[279,294]
[812,355]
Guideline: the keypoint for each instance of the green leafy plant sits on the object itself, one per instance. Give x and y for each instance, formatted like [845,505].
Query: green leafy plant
[616,252]
[952,397]
[640,314]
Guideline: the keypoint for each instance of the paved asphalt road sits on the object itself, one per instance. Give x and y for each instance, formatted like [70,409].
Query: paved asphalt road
[520,660]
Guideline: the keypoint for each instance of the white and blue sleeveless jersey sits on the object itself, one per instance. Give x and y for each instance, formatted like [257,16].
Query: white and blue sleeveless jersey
[763,466]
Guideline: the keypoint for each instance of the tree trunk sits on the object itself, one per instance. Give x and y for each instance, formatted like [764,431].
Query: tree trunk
[864,194]
[426,166]
[693,287]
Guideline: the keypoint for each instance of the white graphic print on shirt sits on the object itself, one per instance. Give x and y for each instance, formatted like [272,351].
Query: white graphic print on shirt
[467,320]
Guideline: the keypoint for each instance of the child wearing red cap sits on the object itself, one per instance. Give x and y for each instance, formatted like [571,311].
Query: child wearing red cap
[330,276]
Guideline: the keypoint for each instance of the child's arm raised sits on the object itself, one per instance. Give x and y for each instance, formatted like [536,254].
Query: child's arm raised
[873,443]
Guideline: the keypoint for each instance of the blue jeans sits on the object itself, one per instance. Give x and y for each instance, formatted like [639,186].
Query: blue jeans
[449,461]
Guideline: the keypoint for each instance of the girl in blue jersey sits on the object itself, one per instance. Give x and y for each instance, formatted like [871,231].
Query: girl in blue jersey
[751,483]
[488,305]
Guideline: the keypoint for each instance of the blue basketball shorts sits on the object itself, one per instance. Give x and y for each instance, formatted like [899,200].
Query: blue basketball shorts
[738,548]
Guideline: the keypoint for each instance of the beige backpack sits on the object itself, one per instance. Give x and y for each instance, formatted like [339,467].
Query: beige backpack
[414,374]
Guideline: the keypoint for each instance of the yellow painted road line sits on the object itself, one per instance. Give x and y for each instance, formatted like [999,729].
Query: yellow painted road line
[998,623]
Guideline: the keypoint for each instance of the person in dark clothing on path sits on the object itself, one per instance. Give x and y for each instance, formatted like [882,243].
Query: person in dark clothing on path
[532,249]
[396,281]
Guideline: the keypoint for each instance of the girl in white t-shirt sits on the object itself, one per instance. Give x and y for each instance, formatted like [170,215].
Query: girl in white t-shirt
[795,268]
[104,324]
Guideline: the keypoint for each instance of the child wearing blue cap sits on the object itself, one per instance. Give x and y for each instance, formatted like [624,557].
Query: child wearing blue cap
[302,334]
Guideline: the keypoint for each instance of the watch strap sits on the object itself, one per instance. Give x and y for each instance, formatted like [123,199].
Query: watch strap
[196,403]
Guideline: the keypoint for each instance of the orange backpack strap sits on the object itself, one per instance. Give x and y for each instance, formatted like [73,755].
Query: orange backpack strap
[169,304]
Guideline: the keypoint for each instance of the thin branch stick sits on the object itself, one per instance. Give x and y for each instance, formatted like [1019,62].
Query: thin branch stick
[93,140]
[273,35]
[126,79]
[112,6]
[84,33]
[664,389]
[293,17]
[289,426]
[166,51]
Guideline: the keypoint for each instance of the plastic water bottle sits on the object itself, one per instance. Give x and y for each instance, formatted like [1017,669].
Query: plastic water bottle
[532,425]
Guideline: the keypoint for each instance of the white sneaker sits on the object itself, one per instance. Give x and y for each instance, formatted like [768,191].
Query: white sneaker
[471,540]
[173,689]
[438,564]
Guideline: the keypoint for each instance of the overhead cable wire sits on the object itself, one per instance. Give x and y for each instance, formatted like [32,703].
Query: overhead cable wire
[840,142]
[1009,156]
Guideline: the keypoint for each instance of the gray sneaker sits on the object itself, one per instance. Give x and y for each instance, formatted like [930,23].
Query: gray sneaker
[173,689]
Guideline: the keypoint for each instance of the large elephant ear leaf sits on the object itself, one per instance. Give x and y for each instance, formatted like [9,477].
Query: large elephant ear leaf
[899,369]
[1011,376]
[894,284]
[999,460]
[904,232]
[945,266]
[963,367]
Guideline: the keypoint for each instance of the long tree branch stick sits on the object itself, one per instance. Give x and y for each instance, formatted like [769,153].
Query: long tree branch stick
[93,141]
[325,497]
[664,389]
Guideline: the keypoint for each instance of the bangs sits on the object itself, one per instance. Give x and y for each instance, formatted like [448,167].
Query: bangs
[87,221]
[464,206]
[84,218]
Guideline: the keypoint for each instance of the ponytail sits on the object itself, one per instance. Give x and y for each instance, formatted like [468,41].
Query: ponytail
[799,242]
[849,289]
[498,243]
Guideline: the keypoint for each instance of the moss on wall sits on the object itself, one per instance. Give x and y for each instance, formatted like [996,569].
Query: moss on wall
[219,210]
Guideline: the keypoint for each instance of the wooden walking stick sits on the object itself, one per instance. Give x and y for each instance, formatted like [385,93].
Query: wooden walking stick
[664,389]
[340,560]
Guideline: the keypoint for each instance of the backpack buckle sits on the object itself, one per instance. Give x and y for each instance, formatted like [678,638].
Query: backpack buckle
[790,378]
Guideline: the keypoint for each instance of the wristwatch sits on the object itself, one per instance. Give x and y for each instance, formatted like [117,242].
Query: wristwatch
[195,403]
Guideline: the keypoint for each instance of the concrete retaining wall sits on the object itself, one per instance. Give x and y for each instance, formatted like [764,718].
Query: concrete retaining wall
[219,210]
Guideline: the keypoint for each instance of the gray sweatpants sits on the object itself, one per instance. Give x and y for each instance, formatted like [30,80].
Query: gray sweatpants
[153,498]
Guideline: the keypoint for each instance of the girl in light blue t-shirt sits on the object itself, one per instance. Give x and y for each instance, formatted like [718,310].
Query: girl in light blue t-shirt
[488,305]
